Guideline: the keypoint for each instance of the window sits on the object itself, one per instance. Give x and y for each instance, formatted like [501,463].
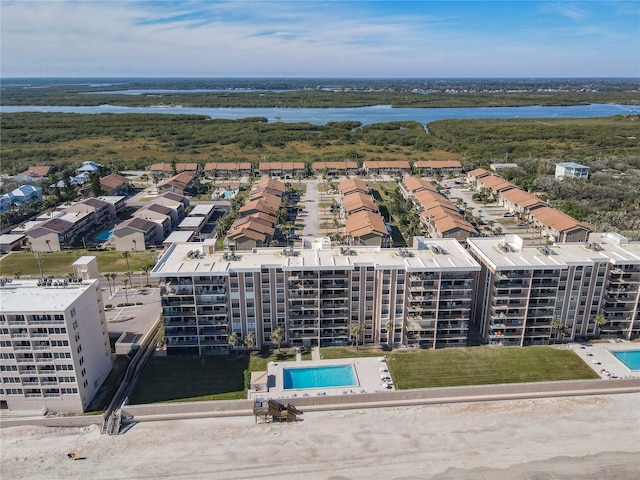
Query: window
[75,324]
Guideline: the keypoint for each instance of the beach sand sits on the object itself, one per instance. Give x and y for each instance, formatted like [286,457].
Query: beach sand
[592,437]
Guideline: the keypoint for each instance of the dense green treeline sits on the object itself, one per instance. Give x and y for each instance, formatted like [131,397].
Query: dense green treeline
[517,138]
[609,200]
[137,140]
[74,96]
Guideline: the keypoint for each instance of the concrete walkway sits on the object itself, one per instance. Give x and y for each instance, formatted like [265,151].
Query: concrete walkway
[315,354]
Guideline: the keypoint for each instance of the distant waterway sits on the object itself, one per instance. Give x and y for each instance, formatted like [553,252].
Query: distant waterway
[365,115]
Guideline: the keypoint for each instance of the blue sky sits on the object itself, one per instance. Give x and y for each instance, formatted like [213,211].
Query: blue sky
[330,38]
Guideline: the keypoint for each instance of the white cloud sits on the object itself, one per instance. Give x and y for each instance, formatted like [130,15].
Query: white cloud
[122,38]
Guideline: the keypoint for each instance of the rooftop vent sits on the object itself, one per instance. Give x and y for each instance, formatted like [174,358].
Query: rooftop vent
[505,247]
[543,249]
[593,246]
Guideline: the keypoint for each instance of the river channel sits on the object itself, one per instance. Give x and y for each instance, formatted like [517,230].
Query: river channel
[365,115]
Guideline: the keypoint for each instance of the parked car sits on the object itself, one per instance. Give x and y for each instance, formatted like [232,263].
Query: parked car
[508,214]
[523,224]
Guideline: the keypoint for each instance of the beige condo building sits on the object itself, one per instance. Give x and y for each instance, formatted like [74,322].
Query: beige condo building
[417,296]
[523,289]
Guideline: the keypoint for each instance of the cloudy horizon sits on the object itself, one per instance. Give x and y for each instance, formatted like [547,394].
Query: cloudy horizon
[330,39]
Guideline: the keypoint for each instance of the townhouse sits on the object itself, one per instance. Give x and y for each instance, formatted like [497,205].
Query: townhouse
[393,167]
[335,169]
[227,169]
[282,169]
[438,167]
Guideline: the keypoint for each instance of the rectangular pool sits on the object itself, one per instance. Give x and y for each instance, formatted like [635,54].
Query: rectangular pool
[319,377]
[631,358]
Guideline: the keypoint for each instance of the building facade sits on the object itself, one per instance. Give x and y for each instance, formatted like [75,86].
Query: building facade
[54,344]
[523,289]
[320,296]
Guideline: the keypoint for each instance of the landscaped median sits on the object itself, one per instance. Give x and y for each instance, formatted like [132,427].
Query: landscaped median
[168,379]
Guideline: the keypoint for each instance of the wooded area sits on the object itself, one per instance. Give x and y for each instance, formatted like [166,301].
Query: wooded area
[608,145]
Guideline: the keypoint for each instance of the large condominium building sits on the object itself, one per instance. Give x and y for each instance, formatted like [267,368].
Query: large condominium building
[54,344]
[321,295]
[523,289]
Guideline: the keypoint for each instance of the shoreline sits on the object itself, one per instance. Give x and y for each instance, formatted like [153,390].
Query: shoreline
[595,437]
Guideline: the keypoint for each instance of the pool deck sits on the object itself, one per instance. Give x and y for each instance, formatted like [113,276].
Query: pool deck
[599,357]
[368,372]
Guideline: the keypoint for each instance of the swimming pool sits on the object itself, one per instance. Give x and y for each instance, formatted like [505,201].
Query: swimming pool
[631,358]
[228,195]
[104,235]
[319,377]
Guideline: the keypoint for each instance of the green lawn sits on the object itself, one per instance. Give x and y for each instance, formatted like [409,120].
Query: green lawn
[485,365]
[187,379]
[59,263]
[174,379]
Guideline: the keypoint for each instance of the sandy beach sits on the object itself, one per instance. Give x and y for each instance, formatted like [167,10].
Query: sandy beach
[596,437]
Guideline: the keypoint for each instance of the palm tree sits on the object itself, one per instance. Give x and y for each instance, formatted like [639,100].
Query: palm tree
[126,294]
[17,275]
[126,257]
[146,269]
[112,276]
[48,242]
[107,276]
[390,333]
[600,320]
[560,328]
[277,336]
[128,274]
[250,341]
[233,341]
[354,329]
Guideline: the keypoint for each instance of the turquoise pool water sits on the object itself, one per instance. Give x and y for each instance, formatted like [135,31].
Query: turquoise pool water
[104,235]
[228,195]
[631,358]
[319,377]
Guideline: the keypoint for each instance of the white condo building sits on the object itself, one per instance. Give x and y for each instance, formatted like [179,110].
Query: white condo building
[522,289]
[419,296]
[54,344]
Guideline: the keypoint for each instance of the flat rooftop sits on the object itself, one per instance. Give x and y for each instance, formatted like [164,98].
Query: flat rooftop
[560,255]
[176,261]
[25,296]
[191,222]
[202,209]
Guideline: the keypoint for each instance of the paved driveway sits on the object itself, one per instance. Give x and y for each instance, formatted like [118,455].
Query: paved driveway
[310,215]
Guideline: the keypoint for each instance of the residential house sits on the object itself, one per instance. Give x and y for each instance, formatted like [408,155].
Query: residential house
[395,167]
[114,184]
[474,175]
[20,197]
[520,202]
[335,169]
[367,228]
[181,183]
[571,170]
[136,234]
[157,214]
[282,169]
[227,169]
[438,167]
[559,227]
[38,172]
[356,202]
[353,185]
